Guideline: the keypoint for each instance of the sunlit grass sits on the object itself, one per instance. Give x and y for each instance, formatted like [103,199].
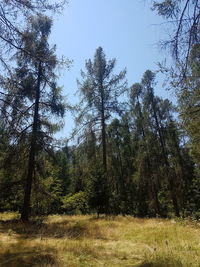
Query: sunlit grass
[109,241]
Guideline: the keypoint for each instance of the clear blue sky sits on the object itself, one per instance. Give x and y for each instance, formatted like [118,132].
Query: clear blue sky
[126,29]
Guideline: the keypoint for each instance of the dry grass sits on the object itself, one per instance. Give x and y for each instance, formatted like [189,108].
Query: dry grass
[85,241]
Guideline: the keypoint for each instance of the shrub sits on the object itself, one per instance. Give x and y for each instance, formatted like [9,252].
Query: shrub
[74,204]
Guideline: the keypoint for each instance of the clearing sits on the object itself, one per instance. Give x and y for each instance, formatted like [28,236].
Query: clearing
[85,241]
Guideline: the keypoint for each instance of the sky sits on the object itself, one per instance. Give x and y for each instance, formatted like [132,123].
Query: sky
[127,30]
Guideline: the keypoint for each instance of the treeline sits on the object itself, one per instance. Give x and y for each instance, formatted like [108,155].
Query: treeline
[135,160]
[134,155]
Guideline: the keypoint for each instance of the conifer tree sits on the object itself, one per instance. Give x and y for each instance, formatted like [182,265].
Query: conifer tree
[34,96]
[100,90]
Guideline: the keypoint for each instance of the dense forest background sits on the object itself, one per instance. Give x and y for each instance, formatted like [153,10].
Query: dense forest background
[136,154]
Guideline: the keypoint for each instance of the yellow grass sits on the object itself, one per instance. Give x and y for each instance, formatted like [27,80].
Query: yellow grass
[85,241]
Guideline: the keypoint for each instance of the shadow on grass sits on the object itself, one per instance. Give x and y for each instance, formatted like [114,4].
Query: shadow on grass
[69,229]
[19,256]
[162,263]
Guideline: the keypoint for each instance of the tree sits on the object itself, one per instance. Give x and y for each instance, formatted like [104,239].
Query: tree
[121,165]
[13,15]
[189,97]
[152,103]
[147,147]
[100,90]
[159,158]
[183,16]
[35,96]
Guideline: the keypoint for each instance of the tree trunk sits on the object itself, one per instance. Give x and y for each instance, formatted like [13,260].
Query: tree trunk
[103,131]
[104,147]
[155,197]
[173,196]
[31,163]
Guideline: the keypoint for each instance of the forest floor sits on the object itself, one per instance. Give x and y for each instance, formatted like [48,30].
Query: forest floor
[85,241]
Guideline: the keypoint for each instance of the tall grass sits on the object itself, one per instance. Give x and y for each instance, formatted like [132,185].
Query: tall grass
[86,241]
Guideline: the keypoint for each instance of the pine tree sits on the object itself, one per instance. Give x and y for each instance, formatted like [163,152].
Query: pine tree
[100,90]
[34,96]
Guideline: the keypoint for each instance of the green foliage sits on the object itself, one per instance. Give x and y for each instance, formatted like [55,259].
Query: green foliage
[14,16]
[193,199]
[145,151]
[32,99]
[100,90]
[189,96]
[97,190]
[132,158]
[183,17]
[75,204]
[166,8]
[184,77]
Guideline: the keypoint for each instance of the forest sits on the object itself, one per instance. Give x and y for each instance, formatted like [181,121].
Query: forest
[137,154]
[122,189]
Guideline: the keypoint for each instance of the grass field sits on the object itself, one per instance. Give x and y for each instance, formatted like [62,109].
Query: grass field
[85,241]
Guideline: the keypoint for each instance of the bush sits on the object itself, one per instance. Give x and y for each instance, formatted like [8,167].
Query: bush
[75,204]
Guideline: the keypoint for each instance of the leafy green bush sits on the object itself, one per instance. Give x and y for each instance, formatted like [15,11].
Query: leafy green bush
[75,204]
